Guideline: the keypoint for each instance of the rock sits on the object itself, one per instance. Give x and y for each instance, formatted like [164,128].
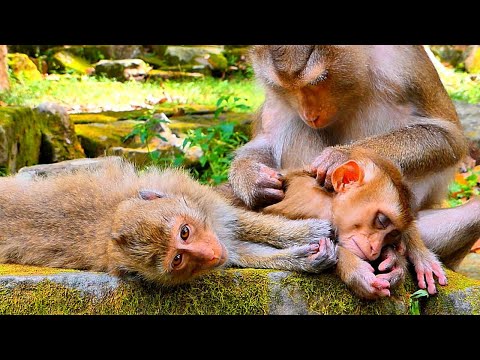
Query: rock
[469,115]
[119,52]
[175,55]
[23,67]
[69,62]
[96,138]
[59,140]
[51,169]
[122,70]
[472,59]
[211,57]
[32,136]
[32,290]
[470,266]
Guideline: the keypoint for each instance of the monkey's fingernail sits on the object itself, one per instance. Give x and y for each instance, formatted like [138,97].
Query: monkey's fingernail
[314,247]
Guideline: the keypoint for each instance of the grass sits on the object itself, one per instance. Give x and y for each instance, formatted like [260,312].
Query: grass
[72,91]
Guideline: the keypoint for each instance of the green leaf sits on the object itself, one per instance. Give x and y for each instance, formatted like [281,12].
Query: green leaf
[419,293]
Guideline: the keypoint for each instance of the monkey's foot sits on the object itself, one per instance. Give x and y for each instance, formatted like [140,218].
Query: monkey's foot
[426,269]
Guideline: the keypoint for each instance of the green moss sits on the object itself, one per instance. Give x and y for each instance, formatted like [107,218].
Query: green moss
[459,287]
[71,62]
[17,270]
[97,138]
[328,295]
[91,118]
[223,292]
[22,67]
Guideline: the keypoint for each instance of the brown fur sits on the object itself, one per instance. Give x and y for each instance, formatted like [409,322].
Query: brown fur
[99,219]
[324,101]
[353,211]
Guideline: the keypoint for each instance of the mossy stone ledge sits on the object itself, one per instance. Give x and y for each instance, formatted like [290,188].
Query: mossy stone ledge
[32,290]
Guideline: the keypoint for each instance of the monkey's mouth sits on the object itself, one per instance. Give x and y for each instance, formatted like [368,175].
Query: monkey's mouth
[318,123]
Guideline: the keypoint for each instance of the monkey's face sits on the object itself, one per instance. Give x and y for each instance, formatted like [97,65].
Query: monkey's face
[367,209]
[315,80]
[165,239]
[194,249]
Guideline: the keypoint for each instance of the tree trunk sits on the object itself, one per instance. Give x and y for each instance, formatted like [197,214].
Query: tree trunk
[4,84]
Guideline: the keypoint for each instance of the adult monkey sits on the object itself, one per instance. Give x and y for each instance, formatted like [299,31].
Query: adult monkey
[323,100]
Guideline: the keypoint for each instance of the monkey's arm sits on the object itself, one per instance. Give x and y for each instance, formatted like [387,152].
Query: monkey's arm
[425,146]
[267,241]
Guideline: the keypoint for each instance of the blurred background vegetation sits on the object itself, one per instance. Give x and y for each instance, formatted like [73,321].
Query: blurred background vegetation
[187,106]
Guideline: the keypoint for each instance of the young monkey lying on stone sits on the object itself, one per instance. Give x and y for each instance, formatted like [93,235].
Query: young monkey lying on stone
[160,225]
[371,208]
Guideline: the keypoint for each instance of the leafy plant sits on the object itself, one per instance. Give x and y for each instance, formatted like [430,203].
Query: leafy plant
[231,103]
[414,301]
[147,130]
[464,187]
[217,143]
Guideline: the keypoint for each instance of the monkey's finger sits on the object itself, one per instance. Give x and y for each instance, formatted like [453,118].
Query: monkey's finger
[270,183]
[328,179]
[421,279]
[273,194]
[430,282]
[389,261]
[438,271]
[321,175]
[269,172]
[383,292]
[380,284]
[322,245]
[394,277]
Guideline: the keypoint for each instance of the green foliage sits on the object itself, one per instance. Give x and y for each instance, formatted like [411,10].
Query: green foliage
[77,90]
[231,103]
[217,143]
[147,130]
[464,187]
[414,301]
[470,94]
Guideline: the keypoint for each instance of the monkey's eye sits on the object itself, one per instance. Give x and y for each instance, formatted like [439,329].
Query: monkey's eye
[382,221]
[184,232]
[322,77]
[177,260]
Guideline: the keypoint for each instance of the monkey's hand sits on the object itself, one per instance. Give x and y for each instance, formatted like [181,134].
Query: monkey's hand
[393,265]
[256,184]
[324,165]
[360,277]
[426,265]
[316,256]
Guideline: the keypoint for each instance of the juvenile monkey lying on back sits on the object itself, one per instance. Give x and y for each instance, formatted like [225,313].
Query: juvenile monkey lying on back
[371,208]
[161,225]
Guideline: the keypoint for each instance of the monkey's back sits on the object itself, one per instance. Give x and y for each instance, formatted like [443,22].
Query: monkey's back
[64,219]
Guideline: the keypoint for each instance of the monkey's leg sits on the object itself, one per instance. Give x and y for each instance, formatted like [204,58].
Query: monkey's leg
[450,233]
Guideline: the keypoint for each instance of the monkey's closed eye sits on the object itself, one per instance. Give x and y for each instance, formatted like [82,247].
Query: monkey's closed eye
[322,77]
[177,260]
[184,232]
[382,221]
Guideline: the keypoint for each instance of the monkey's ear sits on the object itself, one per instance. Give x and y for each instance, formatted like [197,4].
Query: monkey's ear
[347,173]
[150,194]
